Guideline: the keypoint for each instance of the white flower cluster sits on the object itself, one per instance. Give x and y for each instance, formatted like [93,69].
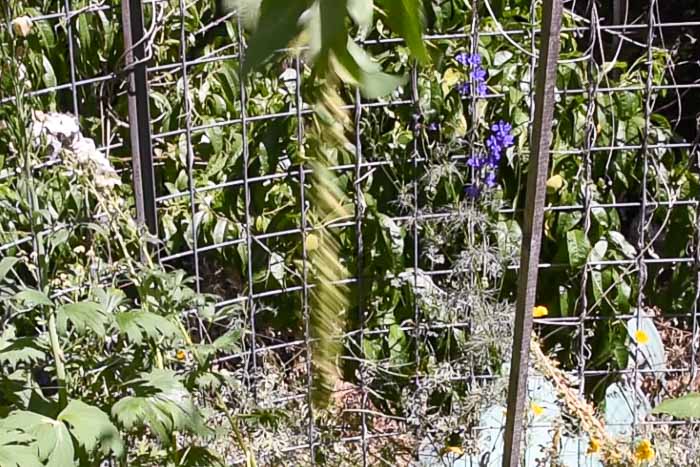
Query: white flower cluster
[60,132]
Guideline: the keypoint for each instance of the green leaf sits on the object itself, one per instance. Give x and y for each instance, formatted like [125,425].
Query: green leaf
[54,442]
[161,403]
[278,25]
[685,407]
[49,75]
[333,29]
[83,315]
[92,428]
[136,324]
[404,17]
[6,266]
[17,450]
[578,248]
[357,68]
[21,349]
[33,297]
[362,12]
[231,342]
[198,456]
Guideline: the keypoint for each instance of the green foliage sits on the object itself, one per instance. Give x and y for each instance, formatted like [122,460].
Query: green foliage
[141,348]
[685,407]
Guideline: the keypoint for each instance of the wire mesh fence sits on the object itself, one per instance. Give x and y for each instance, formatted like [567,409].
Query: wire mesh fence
[435,178]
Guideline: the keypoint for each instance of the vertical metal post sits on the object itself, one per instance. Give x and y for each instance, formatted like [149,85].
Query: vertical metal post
[139,115]
[532,231]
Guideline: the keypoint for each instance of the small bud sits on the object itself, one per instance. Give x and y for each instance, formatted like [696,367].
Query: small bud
[22,26]
[311,242]
[555,182]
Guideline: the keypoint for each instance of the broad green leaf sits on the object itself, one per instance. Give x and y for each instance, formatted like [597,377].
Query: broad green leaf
[362,12]
[21,349]
[578,248]
[83,315]
[54,442]
[92,428]
[161,403]
[136,324]
[231,341]
[6,266]
[502,57]
[404,17]
[622,244]
[685,407]
[278,25]
[33,297]
[333,29]
[17,450]
[357,68]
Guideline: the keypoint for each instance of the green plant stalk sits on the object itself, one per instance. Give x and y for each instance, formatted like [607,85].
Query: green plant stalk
[249,456]
[58,358]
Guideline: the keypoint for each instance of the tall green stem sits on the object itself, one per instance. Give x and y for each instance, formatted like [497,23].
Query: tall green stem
[58,358]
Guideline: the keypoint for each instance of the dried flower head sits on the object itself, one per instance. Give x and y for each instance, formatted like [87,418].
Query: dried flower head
[22,26]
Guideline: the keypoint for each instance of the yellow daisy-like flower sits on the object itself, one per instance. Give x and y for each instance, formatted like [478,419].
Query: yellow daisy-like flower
[181,355]
[540,311]
[641,337]
[593,446]
[537,409]
[644,451]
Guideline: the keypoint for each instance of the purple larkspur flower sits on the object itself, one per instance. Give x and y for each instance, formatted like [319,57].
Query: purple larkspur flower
[472,191]
[478,74]
[490,179]
[463,88]
[481,88]
[476,161]
[474,60]
[493,144]
[434,126]
[502,128]
[463,58]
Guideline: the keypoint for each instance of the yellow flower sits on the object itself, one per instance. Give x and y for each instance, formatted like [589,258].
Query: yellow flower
[644,451]
[641,337]
[593,446]
[537,409]
[180,355]
[457,450]
[555,182]
[540,311]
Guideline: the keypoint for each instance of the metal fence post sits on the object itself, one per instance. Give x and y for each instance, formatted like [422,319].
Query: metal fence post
[139,114]
[532,229]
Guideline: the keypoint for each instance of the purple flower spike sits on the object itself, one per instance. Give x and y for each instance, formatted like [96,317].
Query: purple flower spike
[478,74]
[474,60]
[490,179]
[463,58]
[475,161]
